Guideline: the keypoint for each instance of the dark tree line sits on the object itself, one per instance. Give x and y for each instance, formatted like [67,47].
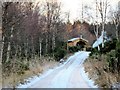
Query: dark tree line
[29,31]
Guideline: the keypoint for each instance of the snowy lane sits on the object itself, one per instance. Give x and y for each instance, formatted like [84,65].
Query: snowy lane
[77,82]
[68,75]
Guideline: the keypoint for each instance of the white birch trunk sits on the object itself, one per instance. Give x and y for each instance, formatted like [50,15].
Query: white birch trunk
[26,51]
[103,25]
[97,37]
[96,32]
[53,41]
[8,49]
[117,32]
[33,51]
[40,42]
[46,46]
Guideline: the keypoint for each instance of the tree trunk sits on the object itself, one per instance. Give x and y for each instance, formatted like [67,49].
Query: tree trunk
[102,34]
[53,41]
[33,50]
[4,53]
[46,49]
[40,42]
[117,36]
[96,34]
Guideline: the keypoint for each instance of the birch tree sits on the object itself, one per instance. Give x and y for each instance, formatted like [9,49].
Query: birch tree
[103,7]
[96,21]
[93,18]
[115,16]
[52,20]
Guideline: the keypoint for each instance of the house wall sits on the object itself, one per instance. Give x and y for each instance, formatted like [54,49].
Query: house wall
[70,44]
[73,43]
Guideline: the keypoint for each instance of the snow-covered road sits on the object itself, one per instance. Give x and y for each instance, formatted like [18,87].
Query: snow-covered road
[68,75]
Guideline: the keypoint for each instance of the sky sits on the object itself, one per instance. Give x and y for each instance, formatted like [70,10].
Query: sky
[74,8]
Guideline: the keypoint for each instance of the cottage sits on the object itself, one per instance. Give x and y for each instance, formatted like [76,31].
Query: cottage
[80,42]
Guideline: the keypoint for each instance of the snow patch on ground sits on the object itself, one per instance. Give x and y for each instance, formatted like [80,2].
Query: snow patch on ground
[34,79]
[73,39]
[85,77]
[98,41]
[62,78]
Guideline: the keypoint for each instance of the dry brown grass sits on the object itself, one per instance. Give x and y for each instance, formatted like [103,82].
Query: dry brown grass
[37,67]
[0,34]
[99,73]
[0,76]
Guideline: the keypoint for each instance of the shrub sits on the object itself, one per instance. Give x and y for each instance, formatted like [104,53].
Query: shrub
[25,66]
[73,49]
[89,49]
[111,59]
[59,53]
[118,55]
[118,49]
[94,51]
[22,67]
[111,45]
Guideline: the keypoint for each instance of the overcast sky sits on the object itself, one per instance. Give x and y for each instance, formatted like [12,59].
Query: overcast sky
[74,6]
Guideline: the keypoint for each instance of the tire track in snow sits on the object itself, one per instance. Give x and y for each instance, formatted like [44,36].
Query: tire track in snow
[67,75]
[44,78]
[62,79]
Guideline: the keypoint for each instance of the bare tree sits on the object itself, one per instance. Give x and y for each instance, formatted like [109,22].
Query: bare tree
[96,32]
[94,18]
[103,7]
[52,20]
[115,16]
